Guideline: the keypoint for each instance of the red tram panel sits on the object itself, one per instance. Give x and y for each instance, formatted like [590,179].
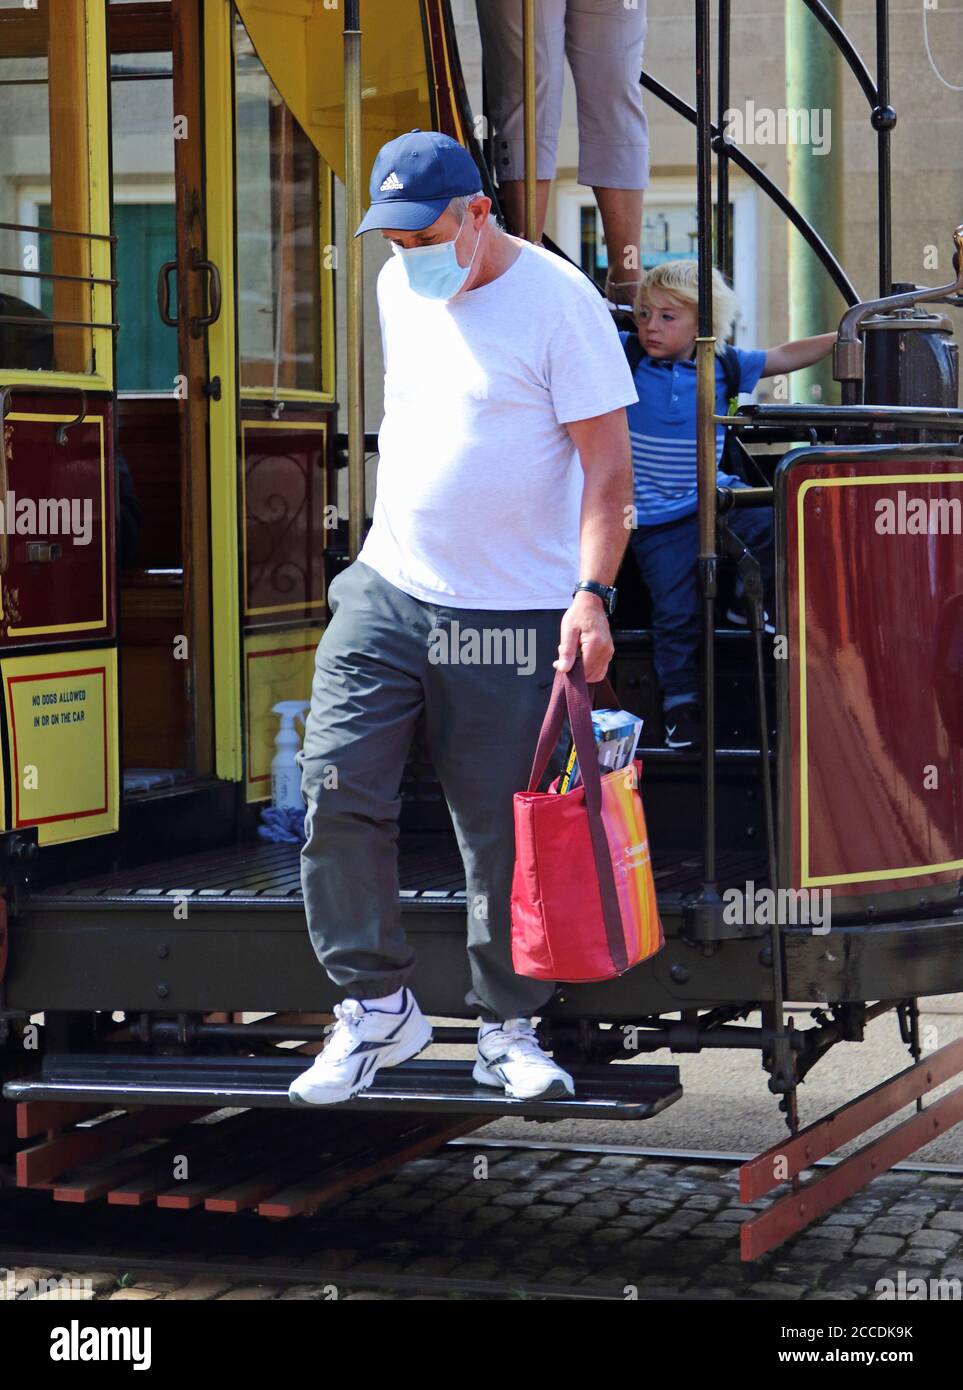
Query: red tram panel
[874,622]
[69,484]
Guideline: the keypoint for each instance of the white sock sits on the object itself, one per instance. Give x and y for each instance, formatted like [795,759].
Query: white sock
[488,1028]
[388,1003]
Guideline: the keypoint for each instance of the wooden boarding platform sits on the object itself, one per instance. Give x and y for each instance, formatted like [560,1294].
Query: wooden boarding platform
[182,1132]
[219,1159]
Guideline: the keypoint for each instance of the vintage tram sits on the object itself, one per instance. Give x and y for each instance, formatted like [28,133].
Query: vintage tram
[178,489]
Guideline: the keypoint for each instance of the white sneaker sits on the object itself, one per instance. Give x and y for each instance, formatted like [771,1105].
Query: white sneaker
[510,1056]
[360,1042]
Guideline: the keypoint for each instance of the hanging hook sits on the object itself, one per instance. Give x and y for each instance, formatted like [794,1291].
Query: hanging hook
[62,429]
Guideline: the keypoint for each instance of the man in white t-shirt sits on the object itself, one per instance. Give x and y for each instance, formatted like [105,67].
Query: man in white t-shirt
[504,483]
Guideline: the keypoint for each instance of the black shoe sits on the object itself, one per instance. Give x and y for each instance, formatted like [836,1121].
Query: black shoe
[683,726]
[738,614]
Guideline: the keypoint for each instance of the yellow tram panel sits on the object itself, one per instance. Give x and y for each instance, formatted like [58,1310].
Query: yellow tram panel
[61,716]
[277,666]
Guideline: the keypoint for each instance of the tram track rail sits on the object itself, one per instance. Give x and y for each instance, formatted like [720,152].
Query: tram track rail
[722,1158]
[411,1284]
[107,1240]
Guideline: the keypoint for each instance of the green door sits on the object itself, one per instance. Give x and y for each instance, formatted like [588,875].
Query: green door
[146,348]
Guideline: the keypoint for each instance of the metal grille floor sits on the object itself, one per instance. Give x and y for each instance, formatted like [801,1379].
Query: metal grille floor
[430,874]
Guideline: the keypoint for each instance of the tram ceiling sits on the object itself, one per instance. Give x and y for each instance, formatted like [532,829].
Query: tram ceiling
[300,44]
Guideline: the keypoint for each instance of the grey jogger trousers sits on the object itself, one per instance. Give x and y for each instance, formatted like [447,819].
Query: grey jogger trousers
[483,680]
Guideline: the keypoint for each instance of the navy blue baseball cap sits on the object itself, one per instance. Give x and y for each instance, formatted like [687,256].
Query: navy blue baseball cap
[415,177]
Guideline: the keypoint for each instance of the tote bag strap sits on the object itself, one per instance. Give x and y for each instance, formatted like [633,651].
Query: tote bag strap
[570,688]
[604,697]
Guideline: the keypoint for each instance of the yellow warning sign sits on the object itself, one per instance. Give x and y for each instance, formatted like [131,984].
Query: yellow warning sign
[61,711]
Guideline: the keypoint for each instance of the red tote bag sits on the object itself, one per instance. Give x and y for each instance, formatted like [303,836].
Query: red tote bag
[583,894]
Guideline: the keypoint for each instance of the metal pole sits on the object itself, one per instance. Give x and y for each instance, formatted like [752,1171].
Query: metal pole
[815,183]
[355,274]
[706,449]
[528,84]
[723,224]
[488,151]
[883,119]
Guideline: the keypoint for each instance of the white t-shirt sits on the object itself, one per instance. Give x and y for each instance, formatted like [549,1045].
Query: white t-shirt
[479,485]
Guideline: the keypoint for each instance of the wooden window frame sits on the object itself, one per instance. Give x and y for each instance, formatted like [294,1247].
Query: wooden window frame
[100,262]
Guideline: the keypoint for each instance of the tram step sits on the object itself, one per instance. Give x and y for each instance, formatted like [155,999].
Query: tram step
[613,1092]
[277,1164]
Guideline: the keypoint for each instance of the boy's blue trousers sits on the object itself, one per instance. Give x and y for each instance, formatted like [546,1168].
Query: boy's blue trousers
[667,559]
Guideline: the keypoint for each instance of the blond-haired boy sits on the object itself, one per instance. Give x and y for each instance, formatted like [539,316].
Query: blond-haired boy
[662,428]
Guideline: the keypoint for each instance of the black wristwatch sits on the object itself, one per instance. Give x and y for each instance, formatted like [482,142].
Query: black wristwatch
[605,592]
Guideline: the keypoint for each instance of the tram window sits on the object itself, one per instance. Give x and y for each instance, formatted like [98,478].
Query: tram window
[44,167]
[278,243]
[669,232]
[142,105]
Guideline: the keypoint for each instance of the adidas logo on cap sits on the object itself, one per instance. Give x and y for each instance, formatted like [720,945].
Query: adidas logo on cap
[392,183]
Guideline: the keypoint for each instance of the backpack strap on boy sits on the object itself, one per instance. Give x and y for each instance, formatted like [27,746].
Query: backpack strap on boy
[633,351]
[731,371]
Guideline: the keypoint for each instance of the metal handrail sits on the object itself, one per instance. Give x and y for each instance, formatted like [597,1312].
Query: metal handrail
[928,417]
[23,321]
[882,115]
[848,349]
[214,294]
[57,231]
[883,119]
[354,178]
[707,902]
[846,47]
[57,275]
[772,191]
[528,116]
[734,498]
[163,293]
[723,221]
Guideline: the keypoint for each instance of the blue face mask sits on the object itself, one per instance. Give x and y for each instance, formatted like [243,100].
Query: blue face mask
[433,271]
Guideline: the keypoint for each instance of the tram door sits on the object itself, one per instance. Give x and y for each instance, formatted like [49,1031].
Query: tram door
[276,217]
[225,356]
[168,296]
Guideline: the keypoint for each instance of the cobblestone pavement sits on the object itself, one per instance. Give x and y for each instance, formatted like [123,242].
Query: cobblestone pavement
[612,1223]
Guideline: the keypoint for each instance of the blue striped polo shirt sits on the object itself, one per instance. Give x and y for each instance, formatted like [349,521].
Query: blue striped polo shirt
[662,428]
